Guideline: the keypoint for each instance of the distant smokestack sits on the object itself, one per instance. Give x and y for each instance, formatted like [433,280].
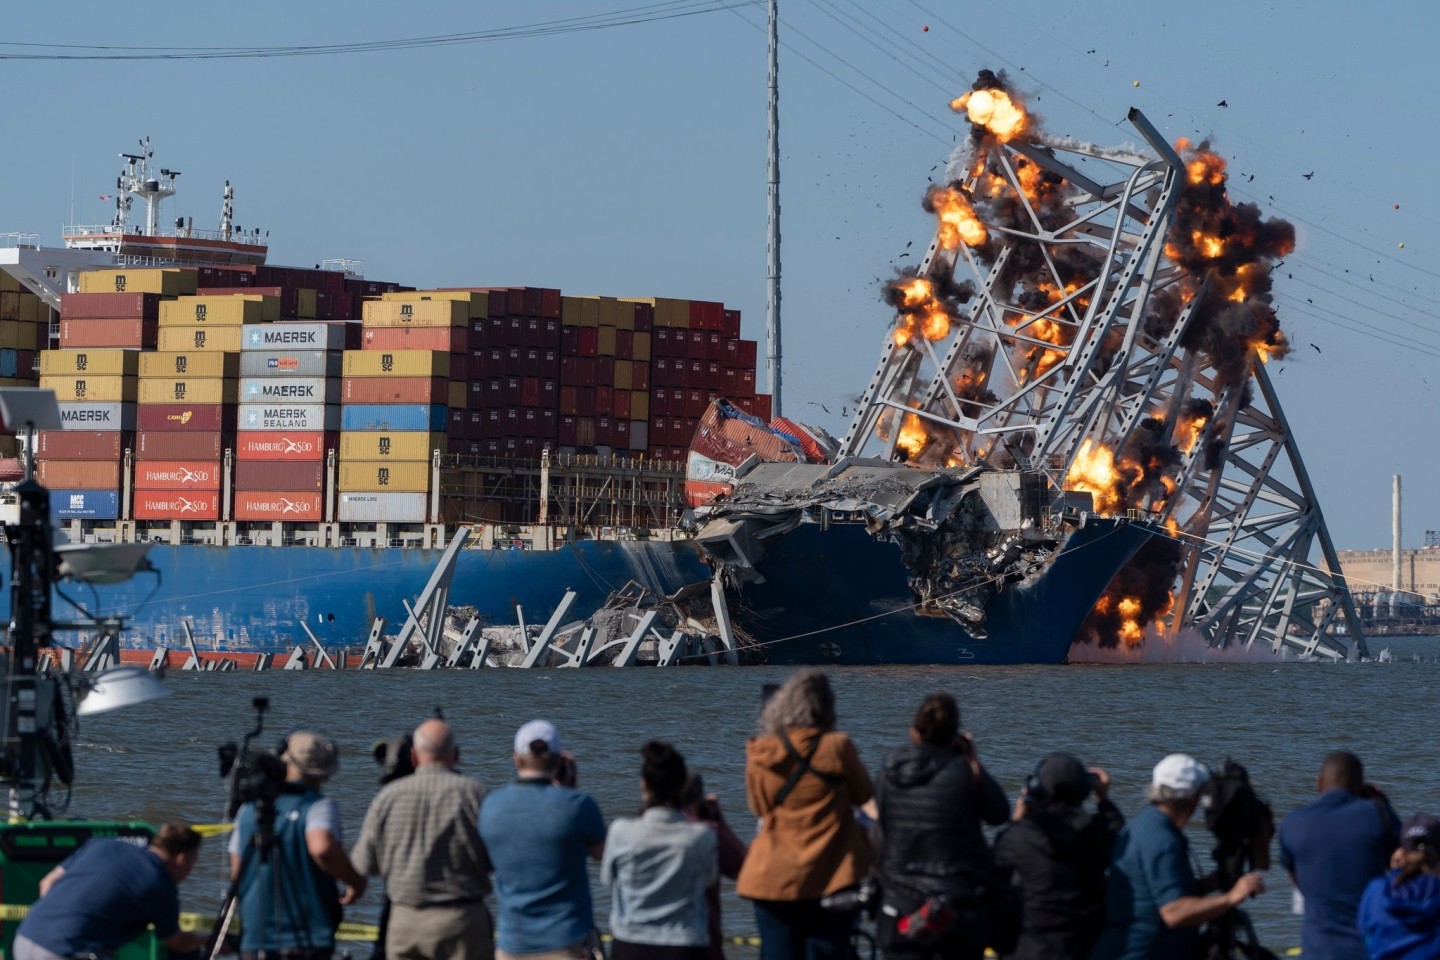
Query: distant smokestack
[1395,583]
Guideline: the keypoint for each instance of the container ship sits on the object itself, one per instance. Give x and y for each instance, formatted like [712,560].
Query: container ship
[299,445]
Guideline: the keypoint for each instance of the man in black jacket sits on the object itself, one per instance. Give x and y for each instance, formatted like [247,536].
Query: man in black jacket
[932,795]
[1054,855]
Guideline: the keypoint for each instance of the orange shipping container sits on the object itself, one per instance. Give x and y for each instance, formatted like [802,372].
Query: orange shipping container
[263,505]
[395,390]
[79,474]
[174,505]
[415,313]
[79,445]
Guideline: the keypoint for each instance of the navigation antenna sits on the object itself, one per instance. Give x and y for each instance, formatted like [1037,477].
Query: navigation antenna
[772,271]
[227,212]
[136,181]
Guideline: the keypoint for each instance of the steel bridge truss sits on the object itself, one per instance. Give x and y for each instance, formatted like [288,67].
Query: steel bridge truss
[1245,515]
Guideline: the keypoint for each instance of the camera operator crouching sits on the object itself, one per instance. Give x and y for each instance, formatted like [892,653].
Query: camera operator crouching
[286,871]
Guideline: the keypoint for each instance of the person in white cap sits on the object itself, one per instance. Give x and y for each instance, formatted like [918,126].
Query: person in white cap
[289,906]
[1154,902]
[538,834]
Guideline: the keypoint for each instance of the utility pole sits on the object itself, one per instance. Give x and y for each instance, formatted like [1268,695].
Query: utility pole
[772,273]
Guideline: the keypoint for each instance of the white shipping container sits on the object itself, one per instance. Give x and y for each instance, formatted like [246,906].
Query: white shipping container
[289,390]
[288,416]
[639,436]
[293,336]
[302,363]
[383,507]
[97,416]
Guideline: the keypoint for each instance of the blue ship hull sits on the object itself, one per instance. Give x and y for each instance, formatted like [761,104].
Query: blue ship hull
[817,579]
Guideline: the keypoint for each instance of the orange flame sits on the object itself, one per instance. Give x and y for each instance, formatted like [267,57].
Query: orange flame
[1093,472]
[920,308]
[912,439]
[958,222]
[995,111]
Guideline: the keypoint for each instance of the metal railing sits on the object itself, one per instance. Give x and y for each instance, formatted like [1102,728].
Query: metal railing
[15,238]
[109,230]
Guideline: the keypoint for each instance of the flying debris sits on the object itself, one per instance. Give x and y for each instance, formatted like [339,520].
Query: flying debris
[1222,103]
[1317,349]
[1309,176]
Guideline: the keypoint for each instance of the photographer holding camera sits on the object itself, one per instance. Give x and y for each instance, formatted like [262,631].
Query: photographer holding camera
[287,870]
[1155,904]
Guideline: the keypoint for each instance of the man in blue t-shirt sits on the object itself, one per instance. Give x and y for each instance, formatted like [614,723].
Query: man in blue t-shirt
[1333,848]
[289,907]
[538,835]
[1154,903]
[107,893]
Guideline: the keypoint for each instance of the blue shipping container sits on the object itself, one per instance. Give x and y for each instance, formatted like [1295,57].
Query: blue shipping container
[89,504]
[393,416]
[10,362]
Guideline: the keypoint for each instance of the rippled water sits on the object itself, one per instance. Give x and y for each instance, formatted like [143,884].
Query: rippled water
[157,761]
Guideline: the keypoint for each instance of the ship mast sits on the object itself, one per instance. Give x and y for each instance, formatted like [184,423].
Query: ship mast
[136,181]
[772,302]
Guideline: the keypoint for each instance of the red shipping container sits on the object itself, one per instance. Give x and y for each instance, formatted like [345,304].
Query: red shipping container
[289,297]
[550,333]
[695,375]
[705,315]
[550,303]
[661,372]
[620,404]
[181,445]
[639,375]
[80,445]
[499,301]
[730,324]
[530,391]
[714,346]
[695,403]
[729,382]
[746,387]
[745,353]
[279,445]
[586,368]
[447,339]
[697,341]
[510,390]
[714,376]
[548,424]
[109,333]
[549,393]
[604,431]
[177,475]
[570,342]
[202,417]
[624,344]
[288,506]
[394,390]
[514,332]
[570,401]
[585,401]
[549,361]
[283,475]
[604,371]
[535,332]
[174,505]
[565,432]
[570,371]
[589,341]
[659,431]
[604,397]
[129,306]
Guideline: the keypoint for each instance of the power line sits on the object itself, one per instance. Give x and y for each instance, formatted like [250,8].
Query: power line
[650,13]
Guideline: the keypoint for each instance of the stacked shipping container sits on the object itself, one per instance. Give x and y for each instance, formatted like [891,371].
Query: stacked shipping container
[24,330]
[514,374]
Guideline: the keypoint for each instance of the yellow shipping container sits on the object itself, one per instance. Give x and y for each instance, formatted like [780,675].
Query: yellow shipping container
[624,374]
[396,363]
[607,342]
[8,284]
[458,394]
[181,339]
[189,390]
[170,282]
[415,313]
[478,300]
[305,304]
[640,345]
[639,406]
[190,364]
[668,312]
[90,389]
[218,311]
[624,315]
[98,362]
[9,446]
[570,311]
[15,335]
[390,445]
[382,476]
[29,311]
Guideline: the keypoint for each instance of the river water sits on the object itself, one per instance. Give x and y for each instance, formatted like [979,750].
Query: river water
[157,761]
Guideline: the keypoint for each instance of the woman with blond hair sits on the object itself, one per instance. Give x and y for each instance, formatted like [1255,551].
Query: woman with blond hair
[804,780]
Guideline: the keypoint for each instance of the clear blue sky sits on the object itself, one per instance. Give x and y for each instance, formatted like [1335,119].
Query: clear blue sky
[632,162]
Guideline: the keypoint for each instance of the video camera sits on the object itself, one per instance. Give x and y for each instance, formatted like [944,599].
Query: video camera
[1243,825]
[256,776]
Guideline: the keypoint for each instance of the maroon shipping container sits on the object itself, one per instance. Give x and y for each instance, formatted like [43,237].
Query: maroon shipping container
[456,422]
[604,397]
[279,475]
[644,317]
[695,403]
[570,341]
[639,375]
[698,344]
[565,431]
[620,435]
[620,404]
[127,306]
[109,332]
[393,390]
[604,431]
[730,324]
[714,346]
[530,391]
[202,417]
[695,374]
[624,344]
[705,315]
[746,388]
[604,371]
[80,445]
[224,277]
[589,341]
[730,382]
[186,444]
[740,353]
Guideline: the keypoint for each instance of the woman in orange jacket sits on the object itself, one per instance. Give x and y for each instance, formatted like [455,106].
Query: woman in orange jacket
[804,780]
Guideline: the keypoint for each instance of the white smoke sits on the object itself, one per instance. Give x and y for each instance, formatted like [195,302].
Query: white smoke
[1188,646]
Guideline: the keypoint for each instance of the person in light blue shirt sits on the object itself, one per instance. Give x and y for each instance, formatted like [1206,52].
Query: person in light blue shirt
[660,865]
[538,835]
